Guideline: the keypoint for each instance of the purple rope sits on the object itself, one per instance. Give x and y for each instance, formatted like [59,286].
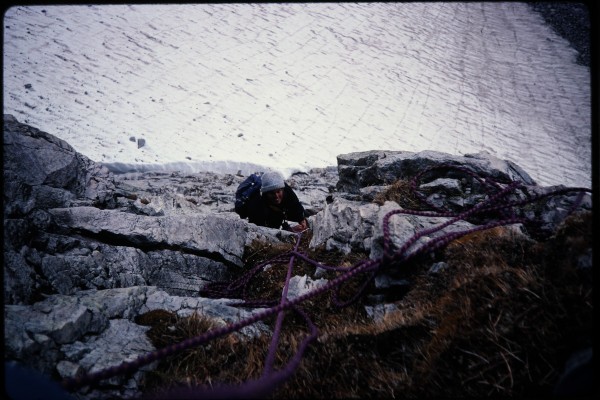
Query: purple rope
[261,388]
[276,332]
[316,263]
[232,289]
[130,366]
[414,183]
[418,235]
[269,379]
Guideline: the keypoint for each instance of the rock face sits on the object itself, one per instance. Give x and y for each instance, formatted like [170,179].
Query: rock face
[86,251]
[370,168]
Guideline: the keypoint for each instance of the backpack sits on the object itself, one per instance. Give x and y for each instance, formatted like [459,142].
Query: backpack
[245,190]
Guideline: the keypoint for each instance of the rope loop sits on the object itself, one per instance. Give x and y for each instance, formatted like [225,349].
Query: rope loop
[494,204]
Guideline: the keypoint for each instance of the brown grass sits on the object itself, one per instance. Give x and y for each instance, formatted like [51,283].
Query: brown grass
[501,320]
[401,192]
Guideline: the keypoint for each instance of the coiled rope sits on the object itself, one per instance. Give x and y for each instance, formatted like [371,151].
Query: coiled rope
[496,202]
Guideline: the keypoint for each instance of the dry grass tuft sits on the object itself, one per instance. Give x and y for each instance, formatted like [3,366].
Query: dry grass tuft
[225,359]
[501,320]
[401,192]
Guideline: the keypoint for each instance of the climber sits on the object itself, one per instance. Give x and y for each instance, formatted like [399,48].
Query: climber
[272,205]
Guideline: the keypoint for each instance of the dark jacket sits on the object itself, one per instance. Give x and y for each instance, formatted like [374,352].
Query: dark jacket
[260,213]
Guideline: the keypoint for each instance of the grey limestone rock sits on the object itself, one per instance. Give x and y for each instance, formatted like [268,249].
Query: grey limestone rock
[86,251]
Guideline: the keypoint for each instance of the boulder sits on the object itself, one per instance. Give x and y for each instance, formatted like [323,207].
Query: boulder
[92,330]
[43,171]
[369,168]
